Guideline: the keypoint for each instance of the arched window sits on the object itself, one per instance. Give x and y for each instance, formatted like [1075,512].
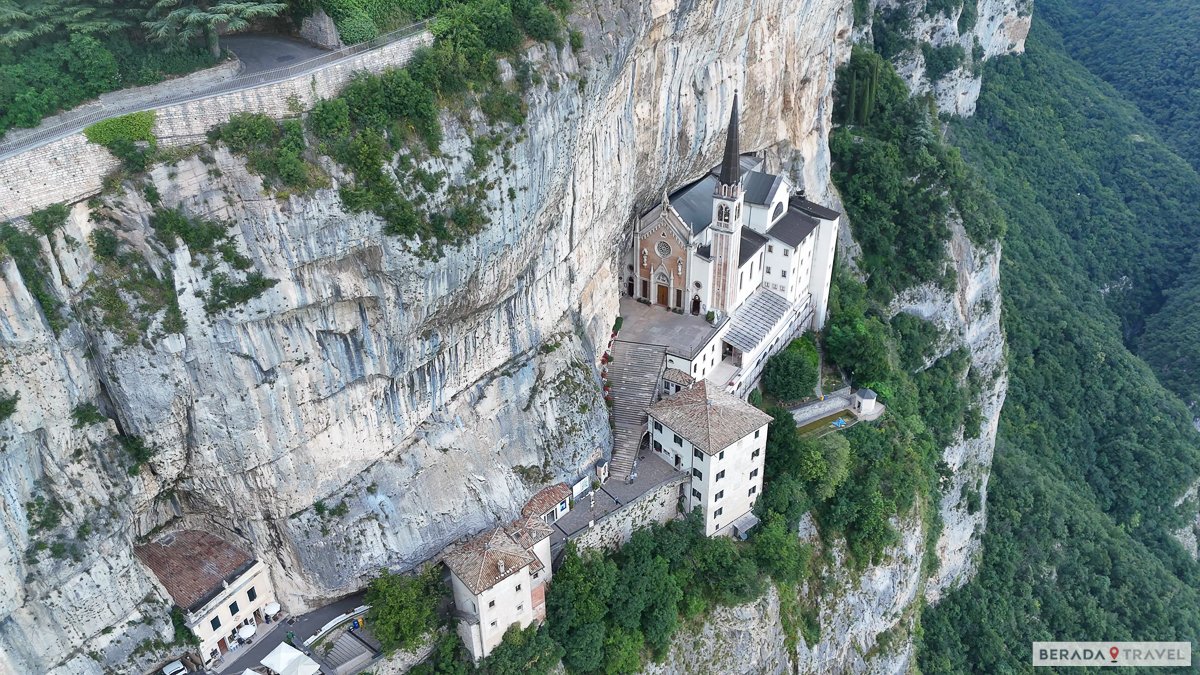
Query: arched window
[777,212]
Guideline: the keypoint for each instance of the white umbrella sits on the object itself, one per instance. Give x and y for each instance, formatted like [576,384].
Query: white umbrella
[249,672]
[304,666]
[281,657]
[272,608]
[246,632]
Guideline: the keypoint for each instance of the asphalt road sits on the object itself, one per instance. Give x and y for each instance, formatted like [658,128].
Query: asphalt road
[304,627]
[265,51]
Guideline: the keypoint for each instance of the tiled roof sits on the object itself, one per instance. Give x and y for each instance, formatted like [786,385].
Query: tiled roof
[709,418]
[793,227]
[193,565]
[529,531]
[814,209]
[541,503]
[487,559]
[677,376]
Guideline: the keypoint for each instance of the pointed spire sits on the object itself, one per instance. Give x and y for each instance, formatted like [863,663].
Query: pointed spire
[731,167]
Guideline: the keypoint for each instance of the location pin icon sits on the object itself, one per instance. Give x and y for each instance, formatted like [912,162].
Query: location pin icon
[1113,651]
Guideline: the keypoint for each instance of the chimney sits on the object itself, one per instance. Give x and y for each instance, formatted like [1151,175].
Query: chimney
[500,564]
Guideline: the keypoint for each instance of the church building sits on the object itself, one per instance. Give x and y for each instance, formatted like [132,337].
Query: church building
[741,244]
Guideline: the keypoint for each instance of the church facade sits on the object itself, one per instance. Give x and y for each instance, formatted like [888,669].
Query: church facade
[740,243]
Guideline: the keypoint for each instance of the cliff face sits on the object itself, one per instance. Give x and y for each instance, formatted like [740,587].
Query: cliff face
[997,27]
[430,398]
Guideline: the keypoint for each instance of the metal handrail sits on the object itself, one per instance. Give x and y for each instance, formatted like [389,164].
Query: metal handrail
[68,127]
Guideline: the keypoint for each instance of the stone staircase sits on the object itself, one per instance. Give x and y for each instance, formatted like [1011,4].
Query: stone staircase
[633,375]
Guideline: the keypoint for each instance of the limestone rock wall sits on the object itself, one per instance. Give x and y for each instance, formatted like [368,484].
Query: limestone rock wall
[1000,27]
[415,400]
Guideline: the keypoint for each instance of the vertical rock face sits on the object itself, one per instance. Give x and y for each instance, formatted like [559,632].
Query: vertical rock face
[999,27]
[429,398]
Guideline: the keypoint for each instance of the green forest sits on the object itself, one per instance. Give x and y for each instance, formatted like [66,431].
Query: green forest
[1093,451]
[1147,52]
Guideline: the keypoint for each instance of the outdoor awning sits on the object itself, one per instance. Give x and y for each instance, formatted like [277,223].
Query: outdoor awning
[287,660]
[743,525]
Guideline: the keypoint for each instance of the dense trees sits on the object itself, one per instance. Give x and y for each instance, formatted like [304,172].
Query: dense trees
[403,607]
[901,184]
[173,22]
[791,374]
[55,54]
[1092,451]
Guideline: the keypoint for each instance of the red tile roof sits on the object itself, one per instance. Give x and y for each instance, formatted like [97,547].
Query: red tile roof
[193,565]
[541,503]
[487,559]
[708,417]
[529,531]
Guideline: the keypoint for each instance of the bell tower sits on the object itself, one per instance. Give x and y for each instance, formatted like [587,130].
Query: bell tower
[727,220]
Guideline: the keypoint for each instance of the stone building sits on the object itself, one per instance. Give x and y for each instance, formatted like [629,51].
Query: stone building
[220,588]
[721,441]
[741,244]
[498,578]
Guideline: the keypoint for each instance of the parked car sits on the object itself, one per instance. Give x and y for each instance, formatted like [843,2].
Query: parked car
[174,668]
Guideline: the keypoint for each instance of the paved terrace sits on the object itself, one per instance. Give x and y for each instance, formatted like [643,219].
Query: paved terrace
[682,334]
[652,472]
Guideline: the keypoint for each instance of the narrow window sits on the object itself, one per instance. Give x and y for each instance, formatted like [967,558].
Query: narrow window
[678,440]
[782,274]
[215,623]
[722,474]
[520,607]
[493,624]
[696,494]
[721,456]
[697,455]
[768,269]
[491,603]
[518,587]
[718,512]
[233,609]
[657,427]
[752,490]
[770,249]
[757,432]
[754,473]
[252,594]
[697,474]
[755,454]
[720,494]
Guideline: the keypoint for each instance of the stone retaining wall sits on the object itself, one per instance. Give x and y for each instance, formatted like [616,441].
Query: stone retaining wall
[656,506]
[71,169]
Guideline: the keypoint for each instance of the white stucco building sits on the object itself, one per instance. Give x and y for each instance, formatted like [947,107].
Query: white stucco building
[737,242]
[219,587]
[498,579]
[720,440]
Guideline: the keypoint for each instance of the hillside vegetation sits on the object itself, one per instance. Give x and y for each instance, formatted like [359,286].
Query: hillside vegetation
[1093,452]
[1147,51]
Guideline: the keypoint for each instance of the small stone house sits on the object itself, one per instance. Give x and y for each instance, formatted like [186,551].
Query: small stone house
[498,579]
[721,441]
[220,587]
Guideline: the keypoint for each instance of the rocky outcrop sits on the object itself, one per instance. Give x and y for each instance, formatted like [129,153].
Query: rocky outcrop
[999,27]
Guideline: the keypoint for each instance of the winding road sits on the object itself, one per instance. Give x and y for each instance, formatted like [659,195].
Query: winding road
[266,58]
